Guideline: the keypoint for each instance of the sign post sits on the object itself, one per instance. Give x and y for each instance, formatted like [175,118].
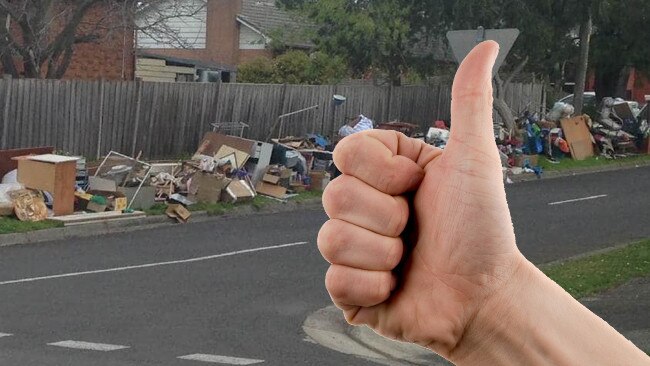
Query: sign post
[463,41]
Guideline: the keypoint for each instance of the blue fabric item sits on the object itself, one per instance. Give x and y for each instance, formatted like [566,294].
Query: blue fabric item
[318,140]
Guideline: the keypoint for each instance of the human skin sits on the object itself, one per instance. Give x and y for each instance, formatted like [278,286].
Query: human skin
[422,247]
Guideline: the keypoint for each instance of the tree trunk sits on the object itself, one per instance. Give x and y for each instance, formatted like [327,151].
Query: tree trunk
[499,102]
[583,64]
[505,113]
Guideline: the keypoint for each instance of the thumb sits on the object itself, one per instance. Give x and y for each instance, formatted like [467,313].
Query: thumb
[472,134]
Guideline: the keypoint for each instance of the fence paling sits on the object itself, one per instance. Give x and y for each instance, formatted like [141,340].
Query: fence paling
[165,120]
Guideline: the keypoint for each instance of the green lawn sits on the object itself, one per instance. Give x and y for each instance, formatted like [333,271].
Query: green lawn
[568,163]
[218,209]
[10,225]
[586,276]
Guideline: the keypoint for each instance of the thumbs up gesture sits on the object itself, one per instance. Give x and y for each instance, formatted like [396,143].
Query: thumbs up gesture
[427,283]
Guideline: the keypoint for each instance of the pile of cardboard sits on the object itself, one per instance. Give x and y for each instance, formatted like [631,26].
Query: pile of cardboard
[275,182]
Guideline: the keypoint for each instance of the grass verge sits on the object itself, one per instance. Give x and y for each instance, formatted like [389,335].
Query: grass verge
[587,276]
[596,161]
[218,209]
[10,225]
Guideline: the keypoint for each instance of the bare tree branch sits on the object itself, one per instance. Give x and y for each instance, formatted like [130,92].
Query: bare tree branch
[41,34]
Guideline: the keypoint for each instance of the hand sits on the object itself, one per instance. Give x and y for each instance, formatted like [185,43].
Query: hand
[458,254]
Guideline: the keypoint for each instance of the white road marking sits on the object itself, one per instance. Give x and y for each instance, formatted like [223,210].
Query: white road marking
[88,346]
[2,335]
[150,265]
[224,360]
[577,200]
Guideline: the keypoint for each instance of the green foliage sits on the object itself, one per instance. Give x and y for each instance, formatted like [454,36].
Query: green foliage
[365,34]
[393,36]
[260,70]
[291,68]
[294,67]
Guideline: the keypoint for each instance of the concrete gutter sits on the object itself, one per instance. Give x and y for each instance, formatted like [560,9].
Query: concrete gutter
[328,328]
[144,223]
[552,174]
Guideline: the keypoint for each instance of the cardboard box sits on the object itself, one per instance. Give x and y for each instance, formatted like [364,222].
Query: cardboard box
[178,212]
[238,191]
[523,160]
[208,187]
[116,201]
[272,179]
[271,190]
[319,180]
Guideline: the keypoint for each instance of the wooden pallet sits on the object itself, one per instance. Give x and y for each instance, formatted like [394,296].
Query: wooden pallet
[92,218]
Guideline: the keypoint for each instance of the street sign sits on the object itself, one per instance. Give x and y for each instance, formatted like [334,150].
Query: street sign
[463,41]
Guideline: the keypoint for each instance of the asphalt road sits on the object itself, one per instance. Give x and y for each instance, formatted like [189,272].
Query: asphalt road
[237,290]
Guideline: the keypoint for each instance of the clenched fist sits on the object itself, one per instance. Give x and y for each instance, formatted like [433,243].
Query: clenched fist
[422,247]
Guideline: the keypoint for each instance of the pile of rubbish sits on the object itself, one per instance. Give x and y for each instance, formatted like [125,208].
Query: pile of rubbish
[41,185]
[621,129]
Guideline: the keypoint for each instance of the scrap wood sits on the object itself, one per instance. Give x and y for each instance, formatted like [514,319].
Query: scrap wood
[240,157]
[271,190]
[213,141]
[577,135]
[89,218]
[178,212]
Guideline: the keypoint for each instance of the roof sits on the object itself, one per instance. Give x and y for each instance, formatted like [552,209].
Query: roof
[265,17]
[178,61]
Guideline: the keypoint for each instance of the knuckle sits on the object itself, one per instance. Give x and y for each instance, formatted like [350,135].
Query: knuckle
[335,284]
[346,151]
[337,196]
[397,219]
[394,255]
[330,241]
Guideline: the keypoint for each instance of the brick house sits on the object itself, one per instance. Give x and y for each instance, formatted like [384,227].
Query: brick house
[225,33]
[636,87]
[109,58]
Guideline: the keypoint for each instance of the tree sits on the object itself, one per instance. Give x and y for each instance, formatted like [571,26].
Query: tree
[39,36]
[586,28]
[619,43]
[293,67]
[367,34]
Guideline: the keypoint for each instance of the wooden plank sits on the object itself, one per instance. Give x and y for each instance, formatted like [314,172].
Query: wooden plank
[158,80]
[86,218]
[155,74]
[6,84]
[165,69]
[150,61]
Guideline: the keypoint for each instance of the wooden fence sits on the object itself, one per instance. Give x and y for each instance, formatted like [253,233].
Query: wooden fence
[166,120]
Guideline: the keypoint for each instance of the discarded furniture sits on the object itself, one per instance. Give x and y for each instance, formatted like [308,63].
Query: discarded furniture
[51,173]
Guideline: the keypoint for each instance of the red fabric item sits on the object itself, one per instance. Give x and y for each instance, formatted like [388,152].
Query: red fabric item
[441,125]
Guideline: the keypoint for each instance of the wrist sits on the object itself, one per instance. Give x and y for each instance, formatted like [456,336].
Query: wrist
[498,319]
[533,321]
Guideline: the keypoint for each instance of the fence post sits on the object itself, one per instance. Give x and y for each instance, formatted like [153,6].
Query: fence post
[101,119]
[388,102]
[138,100]
[5,115]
